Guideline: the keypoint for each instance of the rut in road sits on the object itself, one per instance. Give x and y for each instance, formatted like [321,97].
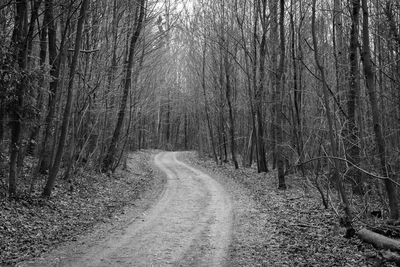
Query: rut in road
[189,226]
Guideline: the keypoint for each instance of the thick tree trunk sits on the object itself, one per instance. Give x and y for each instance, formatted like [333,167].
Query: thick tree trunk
[67,111]
[297,95]
[258,85]
[110,80]
[379,140]
[209,123]
[259,95]
[351,137]
[277,77]
[35,6]
[109,159]
[39,102]
[281,88]
[248,158]
[55,63]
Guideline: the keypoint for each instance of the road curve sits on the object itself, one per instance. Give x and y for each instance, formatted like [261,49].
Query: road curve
[189,226]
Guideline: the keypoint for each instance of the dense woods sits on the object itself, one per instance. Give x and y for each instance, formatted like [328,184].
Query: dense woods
[298,86]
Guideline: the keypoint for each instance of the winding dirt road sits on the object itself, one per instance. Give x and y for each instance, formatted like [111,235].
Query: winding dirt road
[190,225]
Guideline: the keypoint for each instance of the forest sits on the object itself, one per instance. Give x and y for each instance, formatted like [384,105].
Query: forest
[296,88]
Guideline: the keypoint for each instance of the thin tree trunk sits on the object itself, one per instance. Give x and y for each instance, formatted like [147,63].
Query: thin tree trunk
[70,92]
[347,218]
[19,45]
[228,89]
[109,159]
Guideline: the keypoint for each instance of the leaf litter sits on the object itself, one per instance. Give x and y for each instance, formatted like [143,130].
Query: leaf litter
[285,228]
[31,225]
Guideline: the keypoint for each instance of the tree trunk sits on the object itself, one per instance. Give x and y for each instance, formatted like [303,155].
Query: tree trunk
[70,92]
[19,44]
[281,88]
[379,140]
[340,187]
[110,79]
[351,137]
[209,124]
[228,89]
[109,159]
[277,77]
[259,95]
[39,102]
[297,96]
[55,63]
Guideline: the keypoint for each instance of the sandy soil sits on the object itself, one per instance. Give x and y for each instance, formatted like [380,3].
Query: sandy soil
[189,225]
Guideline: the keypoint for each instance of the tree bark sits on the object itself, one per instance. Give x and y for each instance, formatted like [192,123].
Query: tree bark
[297,95]
[109,159]
[19,44]
[55,63]
[39,102]
[339,182]
[351,136]
[378,240]
[369,74]
[67,111]
[228,89]
[209,124]
[277,77]
[259,91]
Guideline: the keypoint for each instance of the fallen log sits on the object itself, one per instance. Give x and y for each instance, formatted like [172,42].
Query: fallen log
[378,240]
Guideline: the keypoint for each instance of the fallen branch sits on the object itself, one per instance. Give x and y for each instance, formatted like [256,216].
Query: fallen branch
[350,163]
[378,240]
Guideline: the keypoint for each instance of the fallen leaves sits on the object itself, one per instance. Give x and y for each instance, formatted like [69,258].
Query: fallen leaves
[30,226]
[296,229]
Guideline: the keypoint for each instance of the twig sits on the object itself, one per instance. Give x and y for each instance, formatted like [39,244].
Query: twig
[86,51]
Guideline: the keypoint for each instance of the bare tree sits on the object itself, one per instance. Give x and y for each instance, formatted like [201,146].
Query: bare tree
[67,111]
[110,156]
[369,74]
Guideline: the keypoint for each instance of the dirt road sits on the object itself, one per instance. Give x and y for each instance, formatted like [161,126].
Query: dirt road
[190,225]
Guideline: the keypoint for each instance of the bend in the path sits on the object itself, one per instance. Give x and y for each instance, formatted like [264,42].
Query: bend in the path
[190,225]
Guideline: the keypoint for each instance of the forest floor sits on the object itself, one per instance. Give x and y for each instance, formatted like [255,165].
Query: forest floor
[188,225]
[31,226]
[283,228]
[242,219]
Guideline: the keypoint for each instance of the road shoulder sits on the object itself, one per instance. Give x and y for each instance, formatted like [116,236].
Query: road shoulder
[145,182]
[249,234]
[283,228]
